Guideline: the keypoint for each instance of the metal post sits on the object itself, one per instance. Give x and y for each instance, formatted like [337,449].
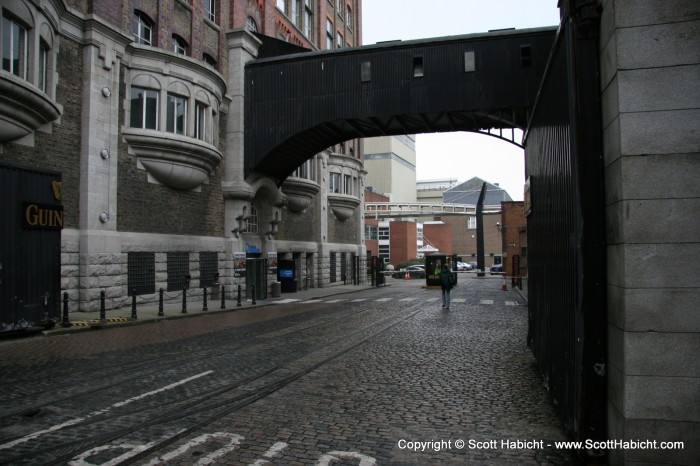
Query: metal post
[133,304]
[238,300]
[160,303]
[184,300]
[223,297]
[254,295]
[204,307]
[66,322]
[103,311]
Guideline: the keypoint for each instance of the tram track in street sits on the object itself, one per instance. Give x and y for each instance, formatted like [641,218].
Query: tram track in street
[215,403]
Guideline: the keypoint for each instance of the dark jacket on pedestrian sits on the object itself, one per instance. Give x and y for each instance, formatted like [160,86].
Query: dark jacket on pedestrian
[446,279]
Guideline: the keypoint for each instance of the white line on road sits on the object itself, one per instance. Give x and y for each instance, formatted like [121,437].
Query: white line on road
[459,300]
[56,427]
[382,300]
[358,300]
[486,301]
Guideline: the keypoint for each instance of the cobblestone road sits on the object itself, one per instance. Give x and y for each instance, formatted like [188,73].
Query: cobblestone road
[379,377]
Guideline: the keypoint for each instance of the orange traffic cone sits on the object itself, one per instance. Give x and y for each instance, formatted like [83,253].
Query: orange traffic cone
[504,287]
[407,276]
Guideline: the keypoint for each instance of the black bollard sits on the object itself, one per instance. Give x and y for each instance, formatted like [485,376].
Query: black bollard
[66,322]
[204,307]
[103,311]
[133,304]
[223,297]
[254,303]
[184,300]
[238,300]
[160,303]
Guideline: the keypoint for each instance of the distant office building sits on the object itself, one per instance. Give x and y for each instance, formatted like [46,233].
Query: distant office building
[390,163]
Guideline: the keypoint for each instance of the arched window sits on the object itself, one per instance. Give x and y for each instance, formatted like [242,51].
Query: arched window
[142,27]
[251,25]
[179,45]
[209,60]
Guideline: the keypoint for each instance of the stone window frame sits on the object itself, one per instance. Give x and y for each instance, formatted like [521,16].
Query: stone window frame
[166,86]
[41,39]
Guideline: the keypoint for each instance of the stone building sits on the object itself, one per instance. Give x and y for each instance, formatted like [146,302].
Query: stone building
[139,105]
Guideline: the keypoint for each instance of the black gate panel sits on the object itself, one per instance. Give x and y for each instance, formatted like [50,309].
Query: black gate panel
[30,250]
[566,248]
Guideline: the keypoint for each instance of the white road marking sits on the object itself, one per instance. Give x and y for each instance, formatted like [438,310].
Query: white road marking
[431,300]
[56,427]
[511,303]
[271,453]
[286,301]
[382,300]
[334,456]
[408,299]
[459,300]
[234,440]
[336,300]
[358,300]
[486,301]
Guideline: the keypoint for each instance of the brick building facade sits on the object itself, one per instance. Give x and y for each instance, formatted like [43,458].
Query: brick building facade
[139,105]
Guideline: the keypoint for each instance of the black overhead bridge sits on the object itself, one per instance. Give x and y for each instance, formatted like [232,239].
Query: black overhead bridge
[299,104]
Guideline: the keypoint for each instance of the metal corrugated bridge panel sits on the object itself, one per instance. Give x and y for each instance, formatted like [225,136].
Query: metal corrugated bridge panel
[297,105]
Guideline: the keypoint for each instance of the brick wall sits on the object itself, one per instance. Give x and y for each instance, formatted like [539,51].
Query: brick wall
[439,235]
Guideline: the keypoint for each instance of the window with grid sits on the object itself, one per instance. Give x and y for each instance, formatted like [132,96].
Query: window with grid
[253,220]
[344,265]
[347,184]
[210,9]
[179,45]
[329,34]
[371,232]
[142,28]
[208,268]
[176,121]
[471,223]
[200,120]
[308,18]
[14,46]
[348,17]
[384,252]
[43,65]
[178,268]
[383,233]
[251,24]
[334,183]
[141,273]
[144,108]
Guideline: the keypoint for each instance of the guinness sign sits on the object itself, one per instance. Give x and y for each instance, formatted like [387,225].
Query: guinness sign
[37,216]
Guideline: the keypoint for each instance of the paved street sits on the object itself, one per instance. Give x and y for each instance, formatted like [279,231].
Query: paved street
[379,376]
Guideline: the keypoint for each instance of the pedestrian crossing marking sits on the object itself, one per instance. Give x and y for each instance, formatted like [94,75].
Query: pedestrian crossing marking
[408,299]
[511,303]
[383,300]
[336,300]
[459,300]
[431,300]
[358,300]
[286,301]
[486,301]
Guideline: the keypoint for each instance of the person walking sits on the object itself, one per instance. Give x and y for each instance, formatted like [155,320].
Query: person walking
[446,286]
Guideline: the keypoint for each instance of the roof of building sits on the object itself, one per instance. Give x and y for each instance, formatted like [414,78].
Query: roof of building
[468,193]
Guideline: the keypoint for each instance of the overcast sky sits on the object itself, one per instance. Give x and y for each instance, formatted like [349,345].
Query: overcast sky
[459,155]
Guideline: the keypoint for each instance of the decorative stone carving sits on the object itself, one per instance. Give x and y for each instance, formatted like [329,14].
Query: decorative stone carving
[300,192]
[343,205]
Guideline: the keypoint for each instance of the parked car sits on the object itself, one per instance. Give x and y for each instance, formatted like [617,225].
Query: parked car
[464,266]
[473,264]
[414,271]
[496,269]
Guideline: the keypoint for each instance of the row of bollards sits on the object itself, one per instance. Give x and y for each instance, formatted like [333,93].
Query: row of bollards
[65,320]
